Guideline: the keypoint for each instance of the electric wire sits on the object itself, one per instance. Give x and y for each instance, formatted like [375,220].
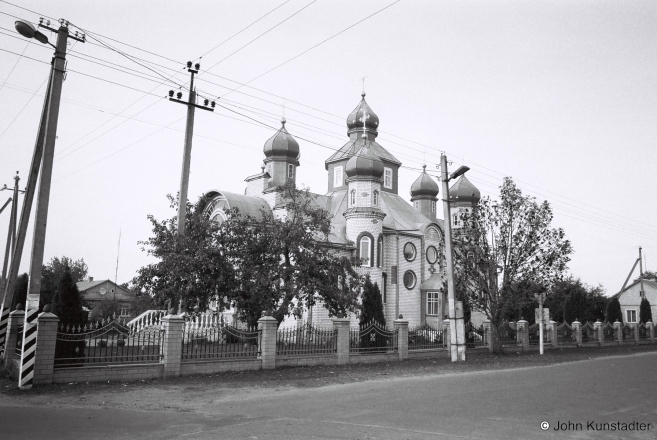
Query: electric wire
[14,66]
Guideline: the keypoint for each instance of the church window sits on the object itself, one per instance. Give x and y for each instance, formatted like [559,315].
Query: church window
[353,197]
[385,287]
[432,255]
[337,177]
[387,178]
[290,171]
[432,303]
[375,197]
[409,279]
[433,206]
[379,252]
[416,205]
[456,220]
[365,249]
[410,252]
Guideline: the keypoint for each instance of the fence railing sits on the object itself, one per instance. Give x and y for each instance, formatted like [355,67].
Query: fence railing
[372,338]
[18,350]
[534,336]
[215,340]
[608,332]
[426,337]
[306,339]
[475,336]
[107,342]
[628,332]
[589,333]
[508,335]
[643,332]
[565,333]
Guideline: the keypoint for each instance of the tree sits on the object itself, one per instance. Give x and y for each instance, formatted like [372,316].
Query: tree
[66,302]
[501,244]
[20,291]
[52,273]
[108,308]
[575,307]
[647,275]
[645,311]
[596,304]
[614,312]
[371,308]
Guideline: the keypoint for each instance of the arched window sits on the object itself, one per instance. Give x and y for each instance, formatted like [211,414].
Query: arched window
[290,171]
[456,220]
[375,198]
[433,206]
[379,252]
[365,250]
[416,205]
[353,197]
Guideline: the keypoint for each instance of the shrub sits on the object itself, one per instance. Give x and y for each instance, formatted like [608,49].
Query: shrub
[614,312]
[645,311]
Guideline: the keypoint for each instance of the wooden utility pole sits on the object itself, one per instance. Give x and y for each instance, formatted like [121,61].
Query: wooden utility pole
[641,273]
[187,153]
[11,237]
[456,324]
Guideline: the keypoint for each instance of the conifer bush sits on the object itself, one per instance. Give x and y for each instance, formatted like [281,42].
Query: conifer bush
[645,311]
[67,305]
[614,312]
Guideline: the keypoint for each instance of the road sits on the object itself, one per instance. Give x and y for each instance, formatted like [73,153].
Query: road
[504,404]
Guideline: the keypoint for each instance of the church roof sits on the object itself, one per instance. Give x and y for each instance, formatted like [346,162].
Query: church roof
[351,147]
[363,115]
[364,164]
[246,205]
[282,144]
[424,185]
[463,191]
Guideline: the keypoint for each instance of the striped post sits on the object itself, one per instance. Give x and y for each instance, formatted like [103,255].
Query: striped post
[29,348]
[4,318]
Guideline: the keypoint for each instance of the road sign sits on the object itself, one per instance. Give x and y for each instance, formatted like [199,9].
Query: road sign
[546,315]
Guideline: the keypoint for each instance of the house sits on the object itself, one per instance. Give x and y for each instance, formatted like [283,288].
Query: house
[630,299]
[401,244]
[95,292]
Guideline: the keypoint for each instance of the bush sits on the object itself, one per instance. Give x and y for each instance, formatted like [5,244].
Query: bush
[614,312]
[645,311]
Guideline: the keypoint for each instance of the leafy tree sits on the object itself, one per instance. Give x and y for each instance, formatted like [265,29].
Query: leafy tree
[575,307]
[372,304]
[66,302]
[645,311]
[504,243]
[107,308]
[614,312]
[596,304]
[647,275]
[20,291]
[52,273]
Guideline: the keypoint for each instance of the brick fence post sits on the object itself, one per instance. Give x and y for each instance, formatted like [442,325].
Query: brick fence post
[577,329]
[618,329]
[15,319]
[268,326]
[447,336]
[554,336]
[401,325]
[650,326]
[597,328]
[172,344]
[522,334]
[488,334]
[342,327]
[636,333]
[44,355]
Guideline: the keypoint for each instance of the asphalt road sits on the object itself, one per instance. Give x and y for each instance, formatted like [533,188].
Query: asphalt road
[506,404]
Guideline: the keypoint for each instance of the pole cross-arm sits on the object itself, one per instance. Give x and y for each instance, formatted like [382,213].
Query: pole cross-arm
[180,101]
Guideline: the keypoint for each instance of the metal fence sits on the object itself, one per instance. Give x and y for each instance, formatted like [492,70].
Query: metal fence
[475,336]
[372,338]
[508,335]
[215,340]
[426,337]
[589,333]
[107,342]
[608,332]
[565,333]
[628,332]
[643,332]
[534,335]
[306,339]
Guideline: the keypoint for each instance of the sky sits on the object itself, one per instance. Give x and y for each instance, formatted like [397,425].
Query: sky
[560,96]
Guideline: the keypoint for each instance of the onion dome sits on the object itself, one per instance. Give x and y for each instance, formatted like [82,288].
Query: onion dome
[463,191]
[282,144]
[364,164]
[424,185]
[363,115]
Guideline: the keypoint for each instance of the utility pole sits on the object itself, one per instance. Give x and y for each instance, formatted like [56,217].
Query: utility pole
[189,133]
[43,158]
[540,297]
[456,324]
[641,273]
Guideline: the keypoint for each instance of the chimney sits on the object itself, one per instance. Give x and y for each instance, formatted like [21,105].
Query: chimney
[91,279]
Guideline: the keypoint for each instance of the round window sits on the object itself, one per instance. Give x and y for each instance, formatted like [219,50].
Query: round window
[409,251]
[409,279]
[432,255]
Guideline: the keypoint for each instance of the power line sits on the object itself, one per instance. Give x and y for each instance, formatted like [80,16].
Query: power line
[23,108]
[14,66]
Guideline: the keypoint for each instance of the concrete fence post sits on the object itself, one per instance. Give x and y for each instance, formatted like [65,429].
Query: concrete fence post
[342,327]
[172,344]
[650,326]
[268,327]
[597,327]
[488,334]
[554,336]
[15,319]
[636,333]
[618,329]
[577,330]
[401,326]
[522,335]
[44,355]
[447,336]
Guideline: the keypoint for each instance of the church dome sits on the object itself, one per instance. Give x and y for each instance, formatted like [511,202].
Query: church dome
[364,164]
[424,185]
[363,113]
[282,144]
[463,191]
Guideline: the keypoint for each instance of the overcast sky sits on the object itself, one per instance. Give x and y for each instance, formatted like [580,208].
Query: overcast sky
[560,95]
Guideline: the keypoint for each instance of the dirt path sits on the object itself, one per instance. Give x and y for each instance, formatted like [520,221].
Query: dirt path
[193,393]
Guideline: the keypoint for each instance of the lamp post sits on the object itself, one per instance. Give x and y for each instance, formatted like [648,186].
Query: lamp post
[41,168]
[456,324]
